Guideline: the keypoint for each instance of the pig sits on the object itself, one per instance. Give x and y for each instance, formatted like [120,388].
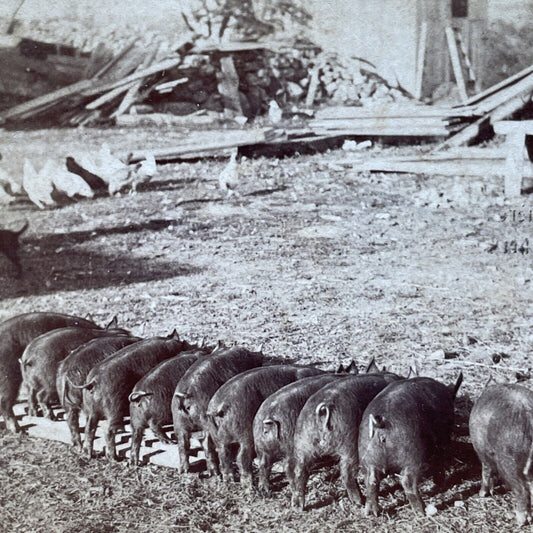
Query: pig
[15,334]
[275,422]
[195,389]
[406,429]
[501,429]
[328,427]
[232,408]
[151,399]
[42,356]
[73,370]
[110,382]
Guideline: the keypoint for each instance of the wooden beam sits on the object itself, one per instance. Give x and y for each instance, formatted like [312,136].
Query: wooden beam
[46,100]
[471,131]
[498,86]
[420,60]
[167,64]
[456,64]
[129,97]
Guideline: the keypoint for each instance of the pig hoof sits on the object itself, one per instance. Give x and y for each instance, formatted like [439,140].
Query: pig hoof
[521,518]
[297,502]
[371,510]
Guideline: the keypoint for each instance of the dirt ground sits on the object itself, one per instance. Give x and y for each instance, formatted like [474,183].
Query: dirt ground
[311,259]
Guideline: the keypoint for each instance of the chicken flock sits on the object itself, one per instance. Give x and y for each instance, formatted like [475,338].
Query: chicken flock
[82,176]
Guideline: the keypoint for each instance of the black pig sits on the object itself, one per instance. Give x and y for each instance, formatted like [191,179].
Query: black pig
[232,409]
[405,429]
[73,370]
[195,389]
[328,427]
[109,383]
[42,356]
[275,422]
[151,399]
[15,334]
[501,429]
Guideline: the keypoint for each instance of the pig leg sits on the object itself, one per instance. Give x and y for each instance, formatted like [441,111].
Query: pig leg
[372,479]
[184,447]
[9,417]
[136,439]
[514,479]
[265,467]
[348,467]
[300,476]
[244,463]
[110,447]
[159,433]
[90,430]
[409,481]
[210,455]
[225,459]
[487,480]
[73,425]
[42,399]
[32,402]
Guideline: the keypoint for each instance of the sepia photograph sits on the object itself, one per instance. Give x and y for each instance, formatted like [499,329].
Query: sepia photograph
[266,266]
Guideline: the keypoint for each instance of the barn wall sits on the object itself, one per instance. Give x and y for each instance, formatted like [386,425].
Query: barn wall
[386,36]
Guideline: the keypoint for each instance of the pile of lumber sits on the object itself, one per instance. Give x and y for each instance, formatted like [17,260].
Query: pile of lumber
[110,85]
[498,102]
[241,77]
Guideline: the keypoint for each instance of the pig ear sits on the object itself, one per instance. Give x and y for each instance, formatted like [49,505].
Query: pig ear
[372,368]
[137,395]
[323,411]
[113,324]
[352,368]
[201,344]
[89,317]
[218,347]
[259,349]
[174,335]
[340,369]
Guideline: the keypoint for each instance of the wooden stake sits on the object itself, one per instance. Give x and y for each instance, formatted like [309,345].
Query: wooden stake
[420,60]
[456,64]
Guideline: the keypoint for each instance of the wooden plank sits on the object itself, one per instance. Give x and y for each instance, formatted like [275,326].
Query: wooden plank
[509,126]
[463,167]
[515,145]
[386,132]
[129,97]
[95,104]
[390,111]
[46,99]
[313,86]
[228,86]
[130,44]
[498,86]
[249,137]
[523,86]
[456,64]
[420,60]
[472,131]
[167,64]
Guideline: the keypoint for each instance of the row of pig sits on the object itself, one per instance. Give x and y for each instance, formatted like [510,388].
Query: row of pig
[296,414]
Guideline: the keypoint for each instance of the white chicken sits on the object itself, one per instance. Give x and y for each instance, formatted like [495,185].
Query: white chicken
[107,166]
[38,186]
[66,182]
[228,179]
[144,171]
[10,184]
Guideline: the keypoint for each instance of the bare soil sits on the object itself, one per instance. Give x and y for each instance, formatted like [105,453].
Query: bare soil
[310,258]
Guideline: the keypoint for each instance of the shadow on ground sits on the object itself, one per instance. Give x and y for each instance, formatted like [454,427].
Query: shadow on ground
[51,263]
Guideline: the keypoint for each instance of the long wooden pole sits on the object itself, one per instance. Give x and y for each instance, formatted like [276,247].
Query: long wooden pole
[11,27]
